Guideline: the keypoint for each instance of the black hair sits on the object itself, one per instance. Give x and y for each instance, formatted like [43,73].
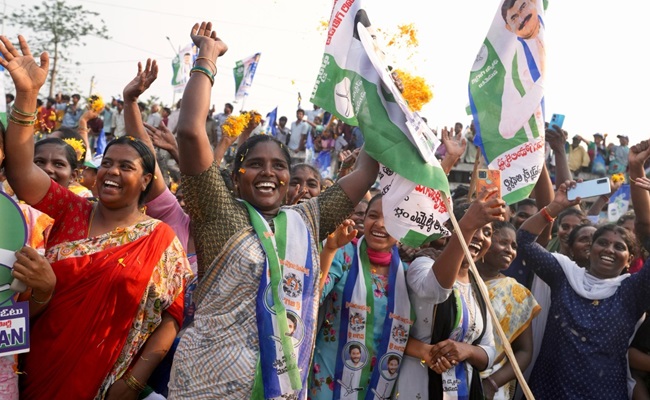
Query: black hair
[507,4]
[628,237]
[352,347]
[625,217]
[148,159]
[526,202]
[362,17]
[299,166]
[571,211]
[228,105]
[391,358]
[283,118]
[250,144]
[293,319]
[574,233]
[70,153]
[374,198]
[77,96]
[10,96]
[496,225]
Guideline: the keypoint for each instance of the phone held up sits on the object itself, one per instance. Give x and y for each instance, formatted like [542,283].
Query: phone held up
[591,188]
[488,178]
[558,120]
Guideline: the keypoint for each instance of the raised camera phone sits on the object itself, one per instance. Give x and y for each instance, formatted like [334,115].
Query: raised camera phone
[488,178]
[557,119]
[586,189]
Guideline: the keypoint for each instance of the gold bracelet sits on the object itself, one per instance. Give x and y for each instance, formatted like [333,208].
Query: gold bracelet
[21,122]
[24,113]
[208,60]
[195,69]
[41,302]
[132,383]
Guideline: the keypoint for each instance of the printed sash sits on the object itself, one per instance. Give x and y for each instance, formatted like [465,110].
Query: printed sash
[357,376]
[285,306]
[454,380]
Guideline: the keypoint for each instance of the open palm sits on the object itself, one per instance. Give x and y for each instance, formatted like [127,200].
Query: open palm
[142,81]
[27,75]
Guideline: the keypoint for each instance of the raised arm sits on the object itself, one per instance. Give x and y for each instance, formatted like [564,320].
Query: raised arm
[555,137]
[455,145]
[193,143]
[538,222]
[133,118]
[356,183]
[637,157]
[28,181]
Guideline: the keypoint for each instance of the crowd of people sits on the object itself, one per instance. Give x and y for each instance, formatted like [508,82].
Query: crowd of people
[261,277]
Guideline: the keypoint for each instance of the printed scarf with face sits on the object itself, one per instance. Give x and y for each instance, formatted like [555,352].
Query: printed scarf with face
[357,377]
[285,307]
[454,381]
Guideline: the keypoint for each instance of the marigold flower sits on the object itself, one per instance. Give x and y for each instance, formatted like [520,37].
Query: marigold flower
[96,103]
[78,146]
[416,92]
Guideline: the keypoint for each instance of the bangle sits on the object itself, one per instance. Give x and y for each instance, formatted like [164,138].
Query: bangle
[21,122]
[133,383]
[204,71]
[208,60]
[492,383]
[23,113]
[547,216]
[41,302]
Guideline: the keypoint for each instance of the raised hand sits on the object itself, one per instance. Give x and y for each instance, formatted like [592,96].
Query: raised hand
[487,207]
[343,235]
[27,75]
[555,138]
[561,197]
[454,142]
[642,182]
[207,41]
[639,153]
[162,137]
[142,81]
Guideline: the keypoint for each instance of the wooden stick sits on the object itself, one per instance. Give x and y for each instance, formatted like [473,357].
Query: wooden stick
[486,298]
[474,178]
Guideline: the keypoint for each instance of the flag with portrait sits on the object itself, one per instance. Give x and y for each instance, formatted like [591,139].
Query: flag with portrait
[182,65]
[244,73]
[506,96]
[355,85]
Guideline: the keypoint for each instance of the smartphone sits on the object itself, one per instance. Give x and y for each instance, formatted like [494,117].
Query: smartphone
[488,178]
[557,119]
[586,189]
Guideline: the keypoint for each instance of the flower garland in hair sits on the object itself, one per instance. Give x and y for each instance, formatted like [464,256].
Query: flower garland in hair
[78,146]
[96,103]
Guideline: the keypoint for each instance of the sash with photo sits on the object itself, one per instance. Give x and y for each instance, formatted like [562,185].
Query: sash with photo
[285,297]
[368,381]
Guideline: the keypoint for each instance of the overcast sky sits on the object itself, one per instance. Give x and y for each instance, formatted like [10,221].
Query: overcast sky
[595,55]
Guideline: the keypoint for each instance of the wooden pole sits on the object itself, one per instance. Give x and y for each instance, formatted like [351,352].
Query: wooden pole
[474,176]
[486,298]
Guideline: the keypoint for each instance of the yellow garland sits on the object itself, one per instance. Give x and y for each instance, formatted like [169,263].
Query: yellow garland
[78,146]
[234,125]
[416,92]
[618,178]
[96,103]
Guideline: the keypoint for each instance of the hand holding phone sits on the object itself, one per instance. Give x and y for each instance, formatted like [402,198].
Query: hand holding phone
[488,179]
[591,188]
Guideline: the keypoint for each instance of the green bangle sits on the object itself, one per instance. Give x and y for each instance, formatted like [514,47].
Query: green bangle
[23,113]
[204,71]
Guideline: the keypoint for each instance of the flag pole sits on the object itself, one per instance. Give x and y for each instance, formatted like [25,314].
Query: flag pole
[474,178]
[486,299]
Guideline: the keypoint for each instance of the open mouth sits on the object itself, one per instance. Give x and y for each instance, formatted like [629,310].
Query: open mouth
[111,184]
[381,235]
[474,248]
[265,187]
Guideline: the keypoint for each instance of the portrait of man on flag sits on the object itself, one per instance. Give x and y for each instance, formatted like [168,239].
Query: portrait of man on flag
[506,93]
[244,73]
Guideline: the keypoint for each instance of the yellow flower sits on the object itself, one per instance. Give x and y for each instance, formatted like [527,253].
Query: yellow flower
[416,92]
[96,103]
[618,178]
[406,35]
[78,146]
[322,25]
[235,125]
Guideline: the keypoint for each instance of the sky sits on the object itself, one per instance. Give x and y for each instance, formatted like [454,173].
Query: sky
[595,62]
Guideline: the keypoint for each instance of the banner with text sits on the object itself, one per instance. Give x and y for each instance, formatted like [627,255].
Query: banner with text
[244,72]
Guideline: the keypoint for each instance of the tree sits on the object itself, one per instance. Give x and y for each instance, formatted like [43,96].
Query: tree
[58,27]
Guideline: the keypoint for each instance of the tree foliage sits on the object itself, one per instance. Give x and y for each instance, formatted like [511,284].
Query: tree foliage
[56,27]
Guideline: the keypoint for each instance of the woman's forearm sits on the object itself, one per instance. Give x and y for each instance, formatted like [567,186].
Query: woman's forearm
[155,348]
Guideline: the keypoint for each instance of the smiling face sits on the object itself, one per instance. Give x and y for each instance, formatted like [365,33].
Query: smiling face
[609,255]
[393,365]
[52,159]
[503,249]
[265,177]
[376,236]
[480,243]
[565,227]
[522,20]
[581,246]
[121,178]
[358,216]
[307,179]
[524,212]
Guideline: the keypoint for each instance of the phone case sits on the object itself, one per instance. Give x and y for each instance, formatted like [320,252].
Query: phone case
[557,119]
[488,178]
[586,189]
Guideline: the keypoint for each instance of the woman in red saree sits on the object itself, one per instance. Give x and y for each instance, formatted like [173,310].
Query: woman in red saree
[116,304]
